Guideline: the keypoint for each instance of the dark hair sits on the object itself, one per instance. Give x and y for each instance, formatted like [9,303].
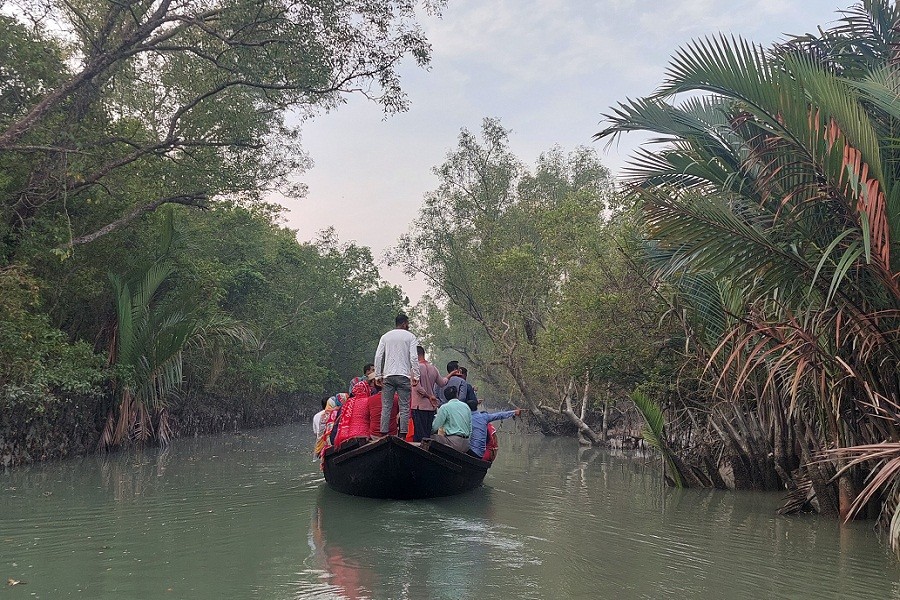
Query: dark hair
[420,351]
[473,404]
[367,368]
[324,403]
[401,320]
[450,392]
[452,366]
[464,372]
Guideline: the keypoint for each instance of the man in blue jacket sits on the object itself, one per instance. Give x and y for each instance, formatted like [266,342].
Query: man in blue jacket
[455,380]
[480,420]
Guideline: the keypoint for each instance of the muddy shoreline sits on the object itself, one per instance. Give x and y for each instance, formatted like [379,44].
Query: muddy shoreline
[71,427]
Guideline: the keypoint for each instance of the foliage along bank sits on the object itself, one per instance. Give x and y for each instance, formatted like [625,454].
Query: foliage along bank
[771,214]
[307,314]
[746,283]
[532,286]
[109,114]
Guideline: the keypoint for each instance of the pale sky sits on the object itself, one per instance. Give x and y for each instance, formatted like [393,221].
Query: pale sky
[548,69]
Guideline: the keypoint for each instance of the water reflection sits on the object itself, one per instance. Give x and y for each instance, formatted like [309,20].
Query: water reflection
[442,548]
[348,577]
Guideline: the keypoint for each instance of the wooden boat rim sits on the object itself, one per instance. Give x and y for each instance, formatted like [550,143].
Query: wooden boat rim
[438,453]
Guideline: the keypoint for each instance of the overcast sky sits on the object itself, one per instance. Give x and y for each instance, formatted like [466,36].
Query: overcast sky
[548,69]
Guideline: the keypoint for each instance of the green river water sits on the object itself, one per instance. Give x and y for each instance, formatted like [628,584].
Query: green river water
[249,516]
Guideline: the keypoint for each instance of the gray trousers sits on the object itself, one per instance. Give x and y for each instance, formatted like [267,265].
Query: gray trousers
[454,441]
[401,386]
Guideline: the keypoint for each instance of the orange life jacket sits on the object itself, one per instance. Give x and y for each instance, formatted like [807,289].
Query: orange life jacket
[490,450]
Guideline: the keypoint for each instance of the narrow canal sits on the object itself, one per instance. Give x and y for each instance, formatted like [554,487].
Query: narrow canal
[249,516]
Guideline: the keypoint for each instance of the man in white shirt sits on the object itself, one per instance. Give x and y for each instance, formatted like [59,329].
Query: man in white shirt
[397,366]
[318,425]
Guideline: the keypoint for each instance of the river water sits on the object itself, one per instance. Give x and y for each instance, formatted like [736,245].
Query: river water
[249,516]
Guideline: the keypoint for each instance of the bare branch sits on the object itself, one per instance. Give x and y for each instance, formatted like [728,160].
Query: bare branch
[91,70]
[37,148]
[196,199]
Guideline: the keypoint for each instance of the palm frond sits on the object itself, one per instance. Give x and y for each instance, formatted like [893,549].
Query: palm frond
[654,432]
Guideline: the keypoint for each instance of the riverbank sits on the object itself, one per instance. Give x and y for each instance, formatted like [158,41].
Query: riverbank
[71,426]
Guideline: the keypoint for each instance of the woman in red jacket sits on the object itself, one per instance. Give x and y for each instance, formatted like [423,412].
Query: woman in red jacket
[355,415]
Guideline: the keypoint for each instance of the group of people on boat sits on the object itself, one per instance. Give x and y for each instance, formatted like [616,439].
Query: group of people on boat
[403,394]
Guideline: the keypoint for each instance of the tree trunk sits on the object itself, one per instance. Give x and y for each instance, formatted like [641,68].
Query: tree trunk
[586,435]
[604,431]
[583,429]
[819,473]
[753,464]
[846,494]
[583,440]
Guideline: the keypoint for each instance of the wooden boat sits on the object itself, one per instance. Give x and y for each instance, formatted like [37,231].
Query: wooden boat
[396,469]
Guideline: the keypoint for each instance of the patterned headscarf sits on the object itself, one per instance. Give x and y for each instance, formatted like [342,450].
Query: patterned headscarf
[332,412]
[336,400]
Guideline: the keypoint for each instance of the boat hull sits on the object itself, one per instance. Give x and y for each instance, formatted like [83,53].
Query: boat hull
[392,468]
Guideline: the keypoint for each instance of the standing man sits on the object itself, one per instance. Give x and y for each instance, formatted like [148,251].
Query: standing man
[469,394]
[424,400]
[397,367]
[454,372]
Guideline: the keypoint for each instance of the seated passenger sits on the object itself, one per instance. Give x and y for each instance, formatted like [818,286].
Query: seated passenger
[368,375]
[362,389]
[318,423]
[336,401]
[329,423]
[328,431]
[453,422]
[479,439]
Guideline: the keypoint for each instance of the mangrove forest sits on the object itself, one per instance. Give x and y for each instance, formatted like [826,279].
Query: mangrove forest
[728,302]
